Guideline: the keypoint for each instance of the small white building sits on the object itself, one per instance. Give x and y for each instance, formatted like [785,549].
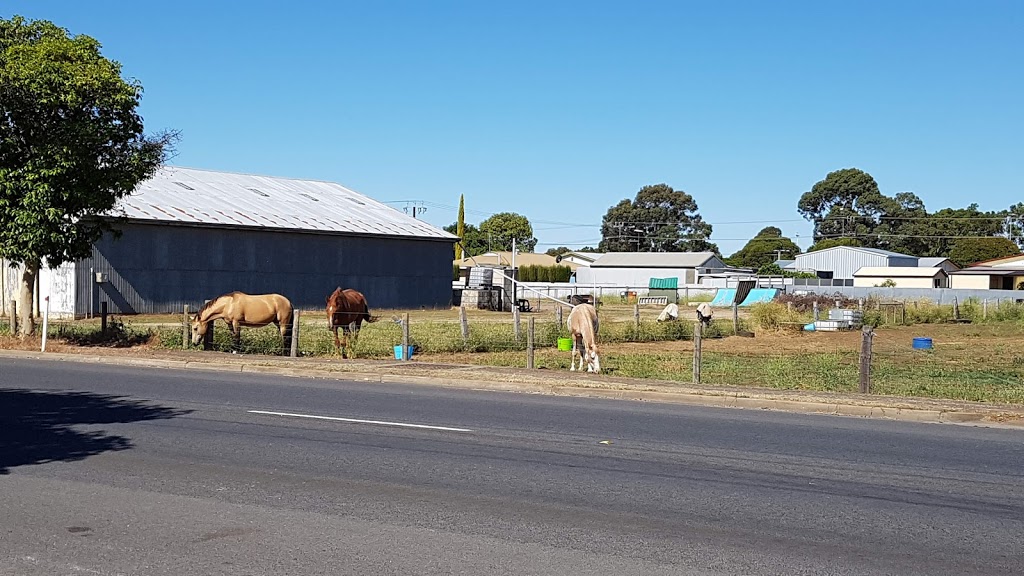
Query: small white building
[901,277]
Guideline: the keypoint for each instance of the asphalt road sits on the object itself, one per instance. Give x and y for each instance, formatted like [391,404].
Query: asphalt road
[115,470]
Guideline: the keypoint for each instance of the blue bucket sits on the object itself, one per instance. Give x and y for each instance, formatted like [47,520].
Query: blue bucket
[922,343]
[398,353]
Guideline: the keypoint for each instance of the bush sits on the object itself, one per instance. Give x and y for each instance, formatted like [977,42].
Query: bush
[774,316]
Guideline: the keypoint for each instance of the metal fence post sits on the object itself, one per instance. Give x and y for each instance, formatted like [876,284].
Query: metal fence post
[14,317]
[295,333]
[515,322]
[697,328]
[867,334]
[103,318]
[529,343]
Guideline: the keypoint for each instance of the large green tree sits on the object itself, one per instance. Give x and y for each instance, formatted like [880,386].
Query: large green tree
[658,219]
[473,241]
[766,247]
[71,145]
[968,251]
[847,203]
[500,229]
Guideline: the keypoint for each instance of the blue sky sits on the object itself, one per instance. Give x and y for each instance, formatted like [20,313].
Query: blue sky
[559,110]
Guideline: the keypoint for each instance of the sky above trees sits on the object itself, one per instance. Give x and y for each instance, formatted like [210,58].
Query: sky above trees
[559,111]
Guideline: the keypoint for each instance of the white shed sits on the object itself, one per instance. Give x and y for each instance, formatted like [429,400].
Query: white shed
[637,268]
[901,277]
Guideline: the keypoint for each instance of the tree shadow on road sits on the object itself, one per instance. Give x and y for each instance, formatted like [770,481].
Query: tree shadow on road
[38,427]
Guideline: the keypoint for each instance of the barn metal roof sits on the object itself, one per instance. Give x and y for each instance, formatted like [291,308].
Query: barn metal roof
[204,197]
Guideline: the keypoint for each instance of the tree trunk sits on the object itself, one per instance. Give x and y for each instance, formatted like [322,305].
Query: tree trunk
[26,289]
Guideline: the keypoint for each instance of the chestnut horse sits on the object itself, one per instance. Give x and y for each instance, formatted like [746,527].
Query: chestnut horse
[583,326]
[239,309]
[347,309]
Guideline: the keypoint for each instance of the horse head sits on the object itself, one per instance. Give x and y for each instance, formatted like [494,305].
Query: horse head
[198,330]
[333,303]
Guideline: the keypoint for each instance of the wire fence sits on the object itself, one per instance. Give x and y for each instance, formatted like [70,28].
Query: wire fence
[976,351]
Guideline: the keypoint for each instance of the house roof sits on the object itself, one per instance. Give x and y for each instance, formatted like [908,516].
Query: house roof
[897,272]
[504,258]
[202,197]
[990,271]
[588,256]
[653,259]
[934,262]
[785,263]
[1004,261]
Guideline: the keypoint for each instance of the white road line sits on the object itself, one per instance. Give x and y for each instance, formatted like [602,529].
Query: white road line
[357,421]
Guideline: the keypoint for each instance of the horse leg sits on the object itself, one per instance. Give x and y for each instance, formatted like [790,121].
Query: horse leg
[236,345]
[344,342]
[572,364]
[337,342]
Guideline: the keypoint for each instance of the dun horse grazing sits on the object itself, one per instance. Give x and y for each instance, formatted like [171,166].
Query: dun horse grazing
[238,310]
[347,309]
[583,327]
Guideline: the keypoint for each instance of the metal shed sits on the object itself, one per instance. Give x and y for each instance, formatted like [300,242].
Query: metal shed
[191,235]
[843,261]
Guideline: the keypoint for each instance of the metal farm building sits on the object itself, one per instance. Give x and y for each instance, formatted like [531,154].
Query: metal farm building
[192,235]
[841,262]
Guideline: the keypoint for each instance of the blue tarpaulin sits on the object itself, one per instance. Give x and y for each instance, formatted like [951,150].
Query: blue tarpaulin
[725,296]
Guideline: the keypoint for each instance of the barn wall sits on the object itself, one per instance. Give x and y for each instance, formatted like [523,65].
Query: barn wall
[157,269]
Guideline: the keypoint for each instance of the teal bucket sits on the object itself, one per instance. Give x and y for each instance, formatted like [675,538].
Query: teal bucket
[398,353]
[922,343]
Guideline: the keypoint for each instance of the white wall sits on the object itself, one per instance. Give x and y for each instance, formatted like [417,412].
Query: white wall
[862,282]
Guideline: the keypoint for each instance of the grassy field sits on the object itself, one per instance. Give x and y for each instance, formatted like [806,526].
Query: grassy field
[981,361]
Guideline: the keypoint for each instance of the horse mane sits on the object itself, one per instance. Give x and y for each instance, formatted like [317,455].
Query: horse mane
[211,302]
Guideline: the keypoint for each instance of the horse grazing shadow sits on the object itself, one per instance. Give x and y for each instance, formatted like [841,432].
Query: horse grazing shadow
[37,427]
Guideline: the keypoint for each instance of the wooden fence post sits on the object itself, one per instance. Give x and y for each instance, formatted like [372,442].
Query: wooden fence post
[735,319]
[185,332]
[697,328]
[558,315]
[529,343]
[865,359]
[464,321]
[984,309]
[956,309]
[815,309]
[103,318]
[405,336]
[636,317]
[515,322]
[295,334]
[14,317]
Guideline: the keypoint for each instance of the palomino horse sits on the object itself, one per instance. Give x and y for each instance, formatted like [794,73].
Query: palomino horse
[239,309]
[583,327]
[347,309]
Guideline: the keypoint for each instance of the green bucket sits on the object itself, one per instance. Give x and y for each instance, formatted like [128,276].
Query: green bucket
[565,343]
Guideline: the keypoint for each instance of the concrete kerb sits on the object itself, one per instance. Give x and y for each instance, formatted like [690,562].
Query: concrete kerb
[864,407]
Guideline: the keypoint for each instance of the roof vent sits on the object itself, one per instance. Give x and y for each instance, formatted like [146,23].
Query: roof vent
[351,199]
[183,185]
[313,198]
[260,192]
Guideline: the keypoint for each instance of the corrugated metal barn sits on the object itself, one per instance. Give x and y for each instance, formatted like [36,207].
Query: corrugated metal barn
[843,261]
[192,235]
